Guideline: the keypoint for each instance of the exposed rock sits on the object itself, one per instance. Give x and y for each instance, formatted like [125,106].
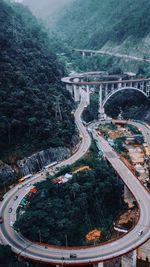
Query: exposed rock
[147,116]
[113,263]
[75,139]
[6,172]
[38,160]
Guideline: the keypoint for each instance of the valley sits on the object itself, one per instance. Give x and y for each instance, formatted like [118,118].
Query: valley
[75,133]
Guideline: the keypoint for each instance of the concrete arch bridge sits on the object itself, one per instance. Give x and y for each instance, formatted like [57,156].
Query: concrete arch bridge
[106,88]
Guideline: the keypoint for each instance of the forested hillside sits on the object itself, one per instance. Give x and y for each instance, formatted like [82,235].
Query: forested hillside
[93,23]
[88,193]
[35,108]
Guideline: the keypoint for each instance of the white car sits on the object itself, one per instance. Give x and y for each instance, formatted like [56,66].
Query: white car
[140,232]
[11,223]
[27,185]
[10,210]
[15,197]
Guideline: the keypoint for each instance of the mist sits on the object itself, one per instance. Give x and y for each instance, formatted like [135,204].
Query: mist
[44,8]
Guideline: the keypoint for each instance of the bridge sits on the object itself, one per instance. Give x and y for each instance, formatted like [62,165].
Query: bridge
[80,89]
[90,254]
[106,88]
[102,52]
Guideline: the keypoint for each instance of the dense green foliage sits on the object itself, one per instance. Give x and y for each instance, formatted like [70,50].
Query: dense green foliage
[92,23]
[5,254]
[132,105]
[60,211]
[119,145]
[8,258]
[95,63]
[34,104]
[91,112]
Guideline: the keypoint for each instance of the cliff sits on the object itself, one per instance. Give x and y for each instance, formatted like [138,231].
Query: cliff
[37,161]
[6,172]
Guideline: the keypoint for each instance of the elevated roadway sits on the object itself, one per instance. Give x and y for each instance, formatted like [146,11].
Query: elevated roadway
[88,255]
[91,51]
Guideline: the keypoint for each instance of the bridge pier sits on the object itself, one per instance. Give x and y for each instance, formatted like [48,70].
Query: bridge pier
[101,108]
[148,89]
[129,260]
[87,95]
[99,264]
[76,93]
[83,54]
[69,88]
[106,90]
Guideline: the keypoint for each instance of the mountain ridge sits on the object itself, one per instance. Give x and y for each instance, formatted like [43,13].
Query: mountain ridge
[34,102]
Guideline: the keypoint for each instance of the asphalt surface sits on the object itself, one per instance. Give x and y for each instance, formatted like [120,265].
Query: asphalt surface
[112,54]
[59,256]
[86,140]
[145,131]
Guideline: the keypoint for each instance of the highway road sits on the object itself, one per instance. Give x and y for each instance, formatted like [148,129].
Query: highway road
[86,140]
[145,131]
[89,255]
[112,54]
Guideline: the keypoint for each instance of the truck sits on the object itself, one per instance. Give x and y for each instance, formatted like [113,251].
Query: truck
[24,178]
[49,166]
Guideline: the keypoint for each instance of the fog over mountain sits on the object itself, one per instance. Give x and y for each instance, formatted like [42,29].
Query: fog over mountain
[44,8]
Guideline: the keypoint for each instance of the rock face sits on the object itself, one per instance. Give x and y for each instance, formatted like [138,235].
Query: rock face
[75,139]
[6,172]
[37,161]
[147,116]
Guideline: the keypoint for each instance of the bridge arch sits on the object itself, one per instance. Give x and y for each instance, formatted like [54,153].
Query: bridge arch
[122,89]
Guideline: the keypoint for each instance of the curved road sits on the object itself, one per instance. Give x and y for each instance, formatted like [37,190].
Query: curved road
[112,54]
[89,255]
[145,131]
[86,140]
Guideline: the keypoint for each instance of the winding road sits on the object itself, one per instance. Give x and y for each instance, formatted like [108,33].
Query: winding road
[111,54]
[88,255]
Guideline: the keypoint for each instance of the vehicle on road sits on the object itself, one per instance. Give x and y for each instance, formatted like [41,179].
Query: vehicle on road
[1,219]
[15,197]
[140,232]
[27,185]
[73,256]
[11,223]
[10,210]
[24,178]
[49,166]
[99,133]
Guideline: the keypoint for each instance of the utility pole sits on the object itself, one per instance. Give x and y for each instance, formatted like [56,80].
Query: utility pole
[40,236]
[14,29]
[4,187]
[58,114]
[66,240]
